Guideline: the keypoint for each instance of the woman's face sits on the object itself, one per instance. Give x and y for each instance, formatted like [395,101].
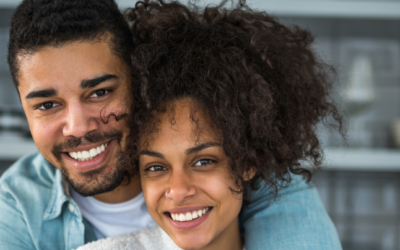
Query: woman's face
[200,211]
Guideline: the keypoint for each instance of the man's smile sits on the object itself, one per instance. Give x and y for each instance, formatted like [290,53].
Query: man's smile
[86,155]
[90,157]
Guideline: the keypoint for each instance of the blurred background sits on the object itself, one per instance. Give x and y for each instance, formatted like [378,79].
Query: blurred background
[360,183]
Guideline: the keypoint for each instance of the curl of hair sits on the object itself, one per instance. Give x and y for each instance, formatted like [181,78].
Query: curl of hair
[259,80]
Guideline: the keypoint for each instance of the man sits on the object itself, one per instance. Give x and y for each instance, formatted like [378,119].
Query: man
[70,63]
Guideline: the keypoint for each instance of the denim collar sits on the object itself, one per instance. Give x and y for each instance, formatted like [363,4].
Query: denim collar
[59,195]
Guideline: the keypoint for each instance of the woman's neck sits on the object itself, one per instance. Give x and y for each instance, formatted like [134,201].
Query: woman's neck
[229,239]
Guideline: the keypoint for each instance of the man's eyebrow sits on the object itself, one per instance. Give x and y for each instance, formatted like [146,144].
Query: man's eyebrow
[44,93]
[151,153]
[200,147]
[91,83]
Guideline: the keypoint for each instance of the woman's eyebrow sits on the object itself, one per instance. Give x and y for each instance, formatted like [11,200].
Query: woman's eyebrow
[187,151]
[152,153]
[200,147]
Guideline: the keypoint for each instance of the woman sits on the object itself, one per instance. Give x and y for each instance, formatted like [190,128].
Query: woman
[223,99]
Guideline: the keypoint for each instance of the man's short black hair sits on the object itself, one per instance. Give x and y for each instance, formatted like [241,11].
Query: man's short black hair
[39,23]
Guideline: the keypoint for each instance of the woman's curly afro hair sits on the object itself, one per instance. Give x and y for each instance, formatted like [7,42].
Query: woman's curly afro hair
[258,80]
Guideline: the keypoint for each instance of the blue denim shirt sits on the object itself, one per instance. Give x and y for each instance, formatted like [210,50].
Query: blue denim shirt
[37,213]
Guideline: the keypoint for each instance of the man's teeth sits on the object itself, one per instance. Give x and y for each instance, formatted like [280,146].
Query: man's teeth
[189,215]
[88,155]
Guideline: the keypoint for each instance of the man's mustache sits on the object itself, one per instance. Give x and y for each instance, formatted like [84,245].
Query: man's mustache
[89,138]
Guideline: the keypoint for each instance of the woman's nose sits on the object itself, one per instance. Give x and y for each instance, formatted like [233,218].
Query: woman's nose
[181,187]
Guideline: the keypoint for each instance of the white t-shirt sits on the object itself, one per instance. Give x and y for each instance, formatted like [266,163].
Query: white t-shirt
[109,220]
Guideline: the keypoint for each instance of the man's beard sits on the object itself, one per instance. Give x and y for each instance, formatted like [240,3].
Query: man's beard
[95,181]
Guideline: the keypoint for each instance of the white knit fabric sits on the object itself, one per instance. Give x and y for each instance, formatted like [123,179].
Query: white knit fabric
[153,238]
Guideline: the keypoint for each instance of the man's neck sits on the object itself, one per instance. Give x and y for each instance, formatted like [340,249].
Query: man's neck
[128,190]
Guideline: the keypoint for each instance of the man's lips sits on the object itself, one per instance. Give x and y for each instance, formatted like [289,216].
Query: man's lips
[91,162]
[86,147]
[88,152]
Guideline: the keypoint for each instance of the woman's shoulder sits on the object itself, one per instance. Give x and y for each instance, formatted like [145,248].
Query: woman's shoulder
[154,237]
[146,239]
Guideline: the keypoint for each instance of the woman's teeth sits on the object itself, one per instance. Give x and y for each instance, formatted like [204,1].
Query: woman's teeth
[88,155]
[189,215]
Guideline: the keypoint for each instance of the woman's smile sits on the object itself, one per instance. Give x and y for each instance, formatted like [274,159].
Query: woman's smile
[187,213]
[188,218]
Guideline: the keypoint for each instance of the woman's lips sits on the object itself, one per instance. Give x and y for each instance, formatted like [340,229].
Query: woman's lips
[189,215]
[96,162]
[186,221]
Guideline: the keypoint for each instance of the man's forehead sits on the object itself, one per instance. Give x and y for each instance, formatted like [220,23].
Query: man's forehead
[72,63]
[73,53]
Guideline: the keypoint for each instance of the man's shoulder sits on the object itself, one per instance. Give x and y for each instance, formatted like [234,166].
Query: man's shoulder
[31,201]
[27,172]
[296,219]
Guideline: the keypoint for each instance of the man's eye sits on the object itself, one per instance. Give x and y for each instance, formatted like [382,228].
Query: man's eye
[203,163]
[47,105]
[156,168]
[100,92]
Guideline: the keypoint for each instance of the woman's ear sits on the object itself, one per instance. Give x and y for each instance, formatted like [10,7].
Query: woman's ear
[249,173]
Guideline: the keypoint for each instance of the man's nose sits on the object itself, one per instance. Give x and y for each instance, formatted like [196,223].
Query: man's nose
[79,120]
[181,187]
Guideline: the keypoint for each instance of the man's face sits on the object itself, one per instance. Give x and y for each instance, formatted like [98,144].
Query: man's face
[66,93]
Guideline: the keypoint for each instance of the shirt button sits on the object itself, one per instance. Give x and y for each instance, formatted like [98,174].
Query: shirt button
[71,208]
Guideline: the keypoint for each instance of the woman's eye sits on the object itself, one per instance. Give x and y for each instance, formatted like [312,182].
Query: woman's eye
[203,162]
[100,92]
[47,105]
[156,168]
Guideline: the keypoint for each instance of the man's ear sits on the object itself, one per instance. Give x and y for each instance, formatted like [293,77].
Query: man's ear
[249,173]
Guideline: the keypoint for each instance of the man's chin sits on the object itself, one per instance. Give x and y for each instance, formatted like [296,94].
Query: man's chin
[94,188]
[96,181]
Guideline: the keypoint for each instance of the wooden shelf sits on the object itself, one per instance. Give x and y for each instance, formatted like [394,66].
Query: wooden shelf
[330,8]
[349,159]
[340,159]
[13,148]
[9,3]
[315,8]
[308,8]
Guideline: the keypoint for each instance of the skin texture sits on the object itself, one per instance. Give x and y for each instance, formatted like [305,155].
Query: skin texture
[200,178]
[73,113]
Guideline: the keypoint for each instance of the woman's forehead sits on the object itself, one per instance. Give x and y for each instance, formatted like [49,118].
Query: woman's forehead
[184,120]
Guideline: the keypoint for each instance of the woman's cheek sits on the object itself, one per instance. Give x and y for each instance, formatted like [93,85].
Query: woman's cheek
[217,186]
[151,193]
